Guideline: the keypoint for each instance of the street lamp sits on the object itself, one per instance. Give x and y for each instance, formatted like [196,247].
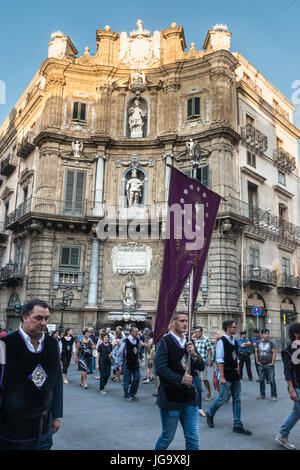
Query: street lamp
[66,301]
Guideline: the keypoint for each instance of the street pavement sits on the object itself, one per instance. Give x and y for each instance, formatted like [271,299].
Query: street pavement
[93,421]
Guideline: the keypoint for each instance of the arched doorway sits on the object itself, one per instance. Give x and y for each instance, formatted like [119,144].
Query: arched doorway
[255,301]
[287,316]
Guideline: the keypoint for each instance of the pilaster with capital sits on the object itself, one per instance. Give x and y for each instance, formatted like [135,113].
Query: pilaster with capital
[52,112]
[170,106]
[103,108]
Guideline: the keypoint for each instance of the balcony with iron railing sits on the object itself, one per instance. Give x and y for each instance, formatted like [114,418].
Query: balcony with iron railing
[26,145]
[46,207]
[254,138]
[283,160]
[3,232]
[288,281]
[12,274]
[8,165]
[263,276]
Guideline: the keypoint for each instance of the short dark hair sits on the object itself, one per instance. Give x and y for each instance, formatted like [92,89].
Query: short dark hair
[176,315]
[227,324]
[199,328]
[294,328]
[28,308]
[265,330]
[256,330]
[132,328]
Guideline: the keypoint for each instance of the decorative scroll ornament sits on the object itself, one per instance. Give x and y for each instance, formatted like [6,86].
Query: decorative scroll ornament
[139,50]
[38,376]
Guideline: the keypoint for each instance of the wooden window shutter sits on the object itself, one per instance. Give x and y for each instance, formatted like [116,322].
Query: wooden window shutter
[189,108]
[64,256]
[82,112]
[197,106]
[75,110]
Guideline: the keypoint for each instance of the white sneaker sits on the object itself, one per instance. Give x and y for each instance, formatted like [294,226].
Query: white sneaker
[284,442]
[147,381]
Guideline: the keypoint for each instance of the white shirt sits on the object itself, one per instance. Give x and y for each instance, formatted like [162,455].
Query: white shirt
[181,340]
[29,343]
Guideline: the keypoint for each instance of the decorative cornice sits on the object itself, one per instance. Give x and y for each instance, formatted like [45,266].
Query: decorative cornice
[253,174]
[283,191]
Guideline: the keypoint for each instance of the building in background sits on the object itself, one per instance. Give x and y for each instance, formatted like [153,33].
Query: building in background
[92,138]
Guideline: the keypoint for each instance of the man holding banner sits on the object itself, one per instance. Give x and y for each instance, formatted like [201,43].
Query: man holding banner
[190,222]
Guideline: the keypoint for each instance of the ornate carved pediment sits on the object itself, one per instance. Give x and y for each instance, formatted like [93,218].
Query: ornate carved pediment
[25,176]
[139,50]
[6,193]
[77,152]
[86,59]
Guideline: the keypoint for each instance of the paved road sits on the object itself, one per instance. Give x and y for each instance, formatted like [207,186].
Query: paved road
[97,422]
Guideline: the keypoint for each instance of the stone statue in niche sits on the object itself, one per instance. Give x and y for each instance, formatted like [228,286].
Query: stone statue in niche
[190,147]
[134,189]
[129,293]
[136,119]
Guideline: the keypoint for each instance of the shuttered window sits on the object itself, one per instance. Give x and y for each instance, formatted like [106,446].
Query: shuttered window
[74,193]
[19,258]
[79,111]
[69,257]
[202,174]
[193,107]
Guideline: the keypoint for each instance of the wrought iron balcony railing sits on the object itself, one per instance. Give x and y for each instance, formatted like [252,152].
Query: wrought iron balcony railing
[26,146]
[258,274]
[284,160]
[254,138]
[289,281]
[68,278]
[43,206]
[11,273]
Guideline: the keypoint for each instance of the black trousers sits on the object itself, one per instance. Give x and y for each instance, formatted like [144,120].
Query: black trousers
[66,359]
[105,369]
[245,359]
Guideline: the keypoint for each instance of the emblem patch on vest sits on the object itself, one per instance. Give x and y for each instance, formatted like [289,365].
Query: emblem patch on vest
[184,361]
[38,376]
[135,350]
[234,355]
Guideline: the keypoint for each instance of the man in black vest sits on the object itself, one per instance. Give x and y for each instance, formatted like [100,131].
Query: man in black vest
[30,383]
[129,350]
[228,375]
[177,397]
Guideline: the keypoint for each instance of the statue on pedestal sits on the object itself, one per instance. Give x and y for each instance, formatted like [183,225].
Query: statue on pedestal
[77,148]
[134,189]
[136,119]
[129,295]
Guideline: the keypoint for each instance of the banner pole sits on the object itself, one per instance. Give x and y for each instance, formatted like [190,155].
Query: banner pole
[190,314]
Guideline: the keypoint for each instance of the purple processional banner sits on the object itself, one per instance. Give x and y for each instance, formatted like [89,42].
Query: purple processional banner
[192,210]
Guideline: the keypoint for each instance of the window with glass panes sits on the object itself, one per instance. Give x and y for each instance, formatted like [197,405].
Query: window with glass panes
[202,175]
[79,111]
[254,257]
[193,107]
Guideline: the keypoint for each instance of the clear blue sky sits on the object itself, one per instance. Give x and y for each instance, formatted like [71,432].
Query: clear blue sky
[264,31]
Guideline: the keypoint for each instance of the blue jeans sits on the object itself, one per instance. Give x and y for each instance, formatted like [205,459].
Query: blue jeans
[132,378]
[198,388]
[293,418]
[189,420]
[268,373]
[235,389]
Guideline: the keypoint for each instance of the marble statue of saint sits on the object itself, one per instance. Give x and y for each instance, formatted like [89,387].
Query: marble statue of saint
[77,148]
[190,146]
[134,189]
[128,296]
[136,119]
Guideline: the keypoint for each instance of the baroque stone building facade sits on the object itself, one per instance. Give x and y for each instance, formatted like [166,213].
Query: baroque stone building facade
[92,138]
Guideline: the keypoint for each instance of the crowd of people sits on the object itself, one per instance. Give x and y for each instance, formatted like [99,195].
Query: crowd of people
[177,366]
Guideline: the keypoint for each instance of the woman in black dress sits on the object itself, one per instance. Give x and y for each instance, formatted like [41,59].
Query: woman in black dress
[67,342]
[104,355]
[83,356]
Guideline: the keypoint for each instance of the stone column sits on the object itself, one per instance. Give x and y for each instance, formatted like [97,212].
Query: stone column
[94,272]
[53,112]
[99,184]
[103,108]
[171,106]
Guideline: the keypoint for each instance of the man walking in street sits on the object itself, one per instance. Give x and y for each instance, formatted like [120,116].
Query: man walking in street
[256,338]
[227,360]
[204,349]
[291,363]
[31,387]
[129,350]
[177,398]
[265,356]
[244,354]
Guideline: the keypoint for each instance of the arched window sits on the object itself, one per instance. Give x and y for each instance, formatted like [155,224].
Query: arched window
[137,117]
[140,174]
[13,301]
